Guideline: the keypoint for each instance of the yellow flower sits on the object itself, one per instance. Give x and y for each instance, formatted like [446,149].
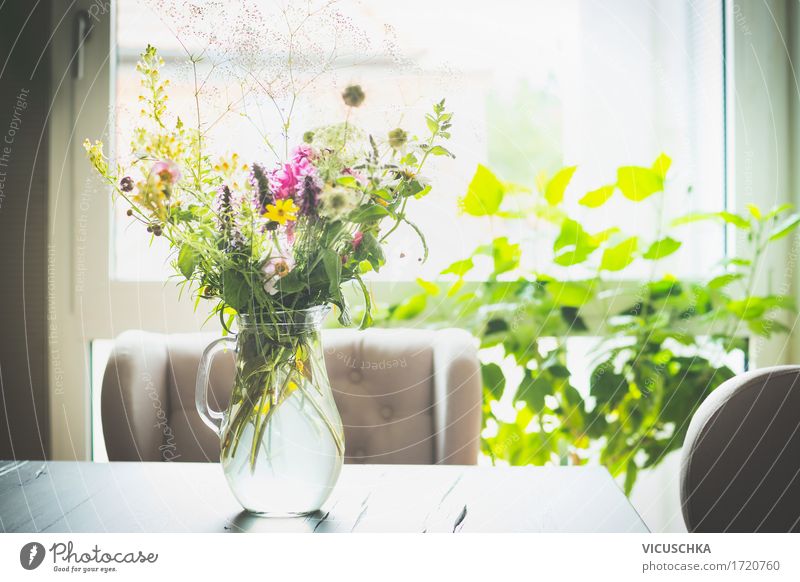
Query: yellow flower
[282,211]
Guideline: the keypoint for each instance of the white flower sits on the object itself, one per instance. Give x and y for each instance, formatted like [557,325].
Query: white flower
[273,270]
[336,202]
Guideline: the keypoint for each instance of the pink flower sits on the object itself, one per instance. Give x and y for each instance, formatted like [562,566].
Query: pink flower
[286,179]
[357,238]
[303,152]
[360,177]
[167,170]
[283,182]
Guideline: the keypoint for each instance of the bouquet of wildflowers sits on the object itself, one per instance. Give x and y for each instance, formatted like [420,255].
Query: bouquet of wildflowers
[265,241]
[262,238]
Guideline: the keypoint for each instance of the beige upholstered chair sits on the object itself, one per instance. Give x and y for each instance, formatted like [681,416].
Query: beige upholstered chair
[405,396]
[741,456]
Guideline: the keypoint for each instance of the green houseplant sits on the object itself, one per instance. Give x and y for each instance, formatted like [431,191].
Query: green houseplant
[660,342]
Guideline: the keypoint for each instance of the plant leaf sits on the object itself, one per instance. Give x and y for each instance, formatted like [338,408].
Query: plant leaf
[598,197]
[428,287]
[637,183]
[557,185]
[484,194]
[619,256]
[661,165]
[724,280]
[785,227]
[573,244]
[662,248]
[506,256]
[235,290]
[570,293]
[532,391]
[411,307]
[187,261]
[459,268]
[493,379]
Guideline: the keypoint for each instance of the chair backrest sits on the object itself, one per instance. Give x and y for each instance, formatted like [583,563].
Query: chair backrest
[741,457]
[405,396]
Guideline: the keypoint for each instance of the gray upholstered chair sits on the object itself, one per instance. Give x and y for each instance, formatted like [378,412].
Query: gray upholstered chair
[741,457]
[422,407]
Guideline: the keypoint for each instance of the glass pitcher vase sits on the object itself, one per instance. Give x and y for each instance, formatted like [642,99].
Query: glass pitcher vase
[281,437]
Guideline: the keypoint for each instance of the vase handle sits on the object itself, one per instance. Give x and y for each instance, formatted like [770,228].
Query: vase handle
[213,418]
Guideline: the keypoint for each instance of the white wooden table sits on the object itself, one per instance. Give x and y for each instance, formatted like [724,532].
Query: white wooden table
[38,496]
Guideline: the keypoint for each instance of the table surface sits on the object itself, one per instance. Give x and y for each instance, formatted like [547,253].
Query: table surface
[62,496]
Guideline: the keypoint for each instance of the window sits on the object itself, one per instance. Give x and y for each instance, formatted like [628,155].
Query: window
[534,84]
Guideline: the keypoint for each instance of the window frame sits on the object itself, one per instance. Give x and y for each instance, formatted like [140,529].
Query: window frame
[86,303]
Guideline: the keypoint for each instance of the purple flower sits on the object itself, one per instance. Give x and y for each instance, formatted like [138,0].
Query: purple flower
[260,182]
[223,208]
[309,196]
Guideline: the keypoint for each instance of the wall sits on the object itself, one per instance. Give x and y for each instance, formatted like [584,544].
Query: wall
[24,102]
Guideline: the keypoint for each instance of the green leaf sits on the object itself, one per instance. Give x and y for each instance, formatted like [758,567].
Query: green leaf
[424,192]
[187,261]
[484,195]
[438,150]
[755,211]
[778,210]
[573,244]
[598,197]
[724,280]
[506,256]
[607,387]
[433,127]
[661,165]
[411,307]
[459,268]
[725,216]
[333,270]
[373,252]
[631,471]
[637,183]
[734,219]
[532,391]
[570,293]
[370,213]
[493,379]
[554,191]
[235,290]
[755,307]
[348,181]
[366,320]
[620,256]
[766,327]
[428,287]
[785,227]
[662,248]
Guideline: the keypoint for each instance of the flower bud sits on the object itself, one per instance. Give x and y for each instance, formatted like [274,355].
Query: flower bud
[353,96]
[126,184]
[397,138]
